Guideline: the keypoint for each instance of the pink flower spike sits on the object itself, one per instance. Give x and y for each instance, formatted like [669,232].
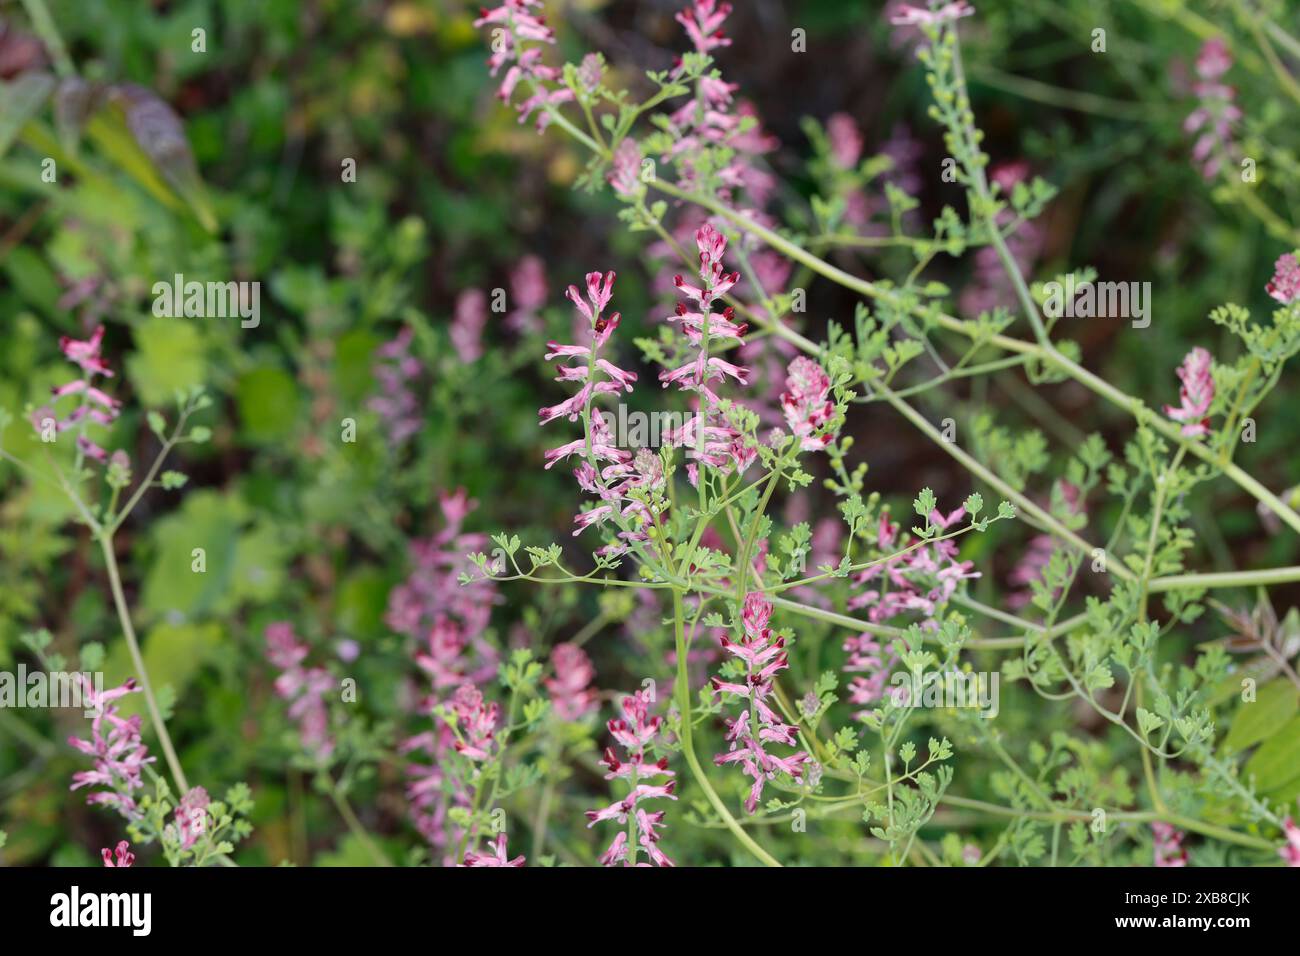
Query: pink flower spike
[86,354]
[1285,284]
[1196,394]
[120,857]
[497,858]
[1168,845]
[1291,851]
[909,16]
[703,24]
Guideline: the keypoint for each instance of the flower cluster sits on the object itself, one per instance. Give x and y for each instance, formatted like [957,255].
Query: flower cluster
[498,856]
[118,751]
[396,372]
[619,472]
[1291,851]
[636,732]
[191,818]
[119,857]
[1168,845]
[910,16]
[448,623]
[571,692]
[807,405]
[758,725]
[94,406]
[1216,109]
[1285,284]
[707,120]
[921,581]
[1195,395]
[304,687]
[514,26]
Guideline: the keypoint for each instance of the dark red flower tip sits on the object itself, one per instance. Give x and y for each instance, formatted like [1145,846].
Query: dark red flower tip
[678,281]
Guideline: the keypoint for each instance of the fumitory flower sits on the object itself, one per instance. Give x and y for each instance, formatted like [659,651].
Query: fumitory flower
[191,817]
[498,856]
[304,687]
[1291,851]
[396,404]
[1216,111]
[807,405]
[702,21]
[1168,844]
[512,25]
[118,751]
[636,732]
[94,405]
[1195,395]
[758,726]
[475,722]
[908,15]
[571,693]
[1285,284]
[119,857]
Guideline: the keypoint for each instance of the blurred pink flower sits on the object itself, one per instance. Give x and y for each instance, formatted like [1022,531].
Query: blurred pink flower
[1285,284]
[116,746]
[702,21]
[304,688]
[467,324]
[397,371]
[1168,845]
[498,856]
[571,693]
[907,15]
[1290,852]
[1216,111]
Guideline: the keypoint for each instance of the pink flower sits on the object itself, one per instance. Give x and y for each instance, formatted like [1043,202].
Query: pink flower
[94,405]
[1195,395]
[467,325]
[636,732]
[1285,284]
[86,354]
[869,662]
[304,688]
[1291,851]
[571,693]
[513,26]
[845,140]
[192,817]
[1168,845]
[118,751]
[528,287]
[1216,111]
[625,168]
[119,857]
[397,373]
[806,404]
[703,22]
[758,725]
[910,16]
[476,723]
[497,858]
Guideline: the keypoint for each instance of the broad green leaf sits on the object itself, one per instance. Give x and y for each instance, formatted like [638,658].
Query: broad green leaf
[1274,705]
[1277,761]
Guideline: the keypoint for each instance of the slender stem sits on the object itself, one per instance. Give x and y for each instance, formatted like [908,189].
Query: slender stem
[355,825]
[128,631]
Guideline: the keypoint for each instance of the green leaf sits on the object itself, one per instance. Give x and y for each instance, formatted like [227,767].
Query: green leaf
[156,424]
[19,102]
[267,399]
[1277,762]
[1274,705]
